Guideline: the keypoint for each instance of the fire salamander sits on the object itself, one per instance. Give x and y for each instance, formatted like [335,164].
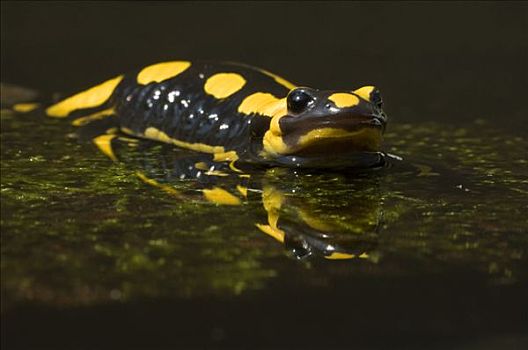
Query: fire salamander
[235,117]
[236,113]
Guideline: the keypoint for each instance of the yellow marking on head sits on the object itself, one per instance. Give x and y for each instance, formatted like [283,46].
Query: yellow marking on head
[201,166]
[25,107]
[343,99]
[104,143]
[166,188]
[325,133]
[273,145]
[364,92]
[162,71]
[340,256]
[95,116]
[369,139]
[243,190]
[220,196]
[90,98]
[263,103]
[222,85]
[158,135]
[364,139]
[279,79]
[225,156]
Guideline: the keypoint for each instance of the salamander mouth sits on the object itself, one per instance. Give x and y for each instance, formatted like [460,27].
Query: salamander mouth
[332,137]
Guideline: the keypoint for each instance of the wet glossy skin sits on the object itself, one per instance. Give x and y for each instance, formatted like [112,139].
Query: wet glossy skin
[237,112]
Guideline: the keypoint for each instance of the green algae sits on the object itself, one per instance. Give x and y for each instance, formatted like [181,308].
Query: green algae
[80,229]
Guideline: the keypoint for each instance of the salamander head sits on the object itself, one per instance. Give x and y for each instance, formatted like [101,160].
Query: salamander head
[320,125]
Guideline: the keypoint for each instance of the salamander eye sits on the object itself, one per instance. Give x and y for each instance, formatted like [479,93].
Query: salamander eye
[299,100]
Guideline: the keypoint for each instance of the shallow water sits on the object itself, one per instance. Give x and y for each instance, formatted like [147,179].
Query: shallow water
[436,244]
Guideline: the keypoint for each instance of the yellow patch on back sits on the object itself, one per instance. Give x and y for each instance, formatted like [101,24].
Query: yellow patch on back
[104,143]
[90,98]
[25,107]
[95,116]
[364,92]
[222,85]
[221,196]
[343,99]
[162,71]
[262,103]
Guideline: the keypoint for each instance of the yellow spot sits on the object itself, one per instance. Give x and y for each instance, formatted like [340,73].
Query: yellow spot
[201,166]
[225,156]
[340,256]
[279,79]
[166,188]
[263,103]
[342,99]
[104,143]
[155,134]
[243,190]
[222,85]
[95,116]
[162,71]
[220,196]
[364,92]
[25,107]
[90,98]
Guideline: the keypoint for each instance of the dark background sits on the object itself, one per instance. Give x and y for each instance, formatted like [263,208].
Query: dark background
[453,62]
